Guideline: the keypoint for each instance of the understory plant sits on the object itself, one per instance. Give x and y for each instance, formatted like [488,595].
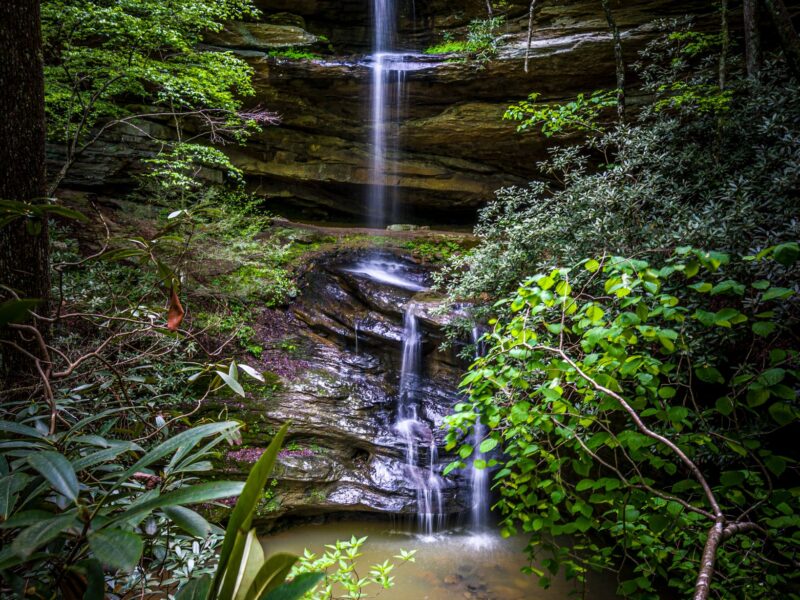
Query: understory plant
[646,412]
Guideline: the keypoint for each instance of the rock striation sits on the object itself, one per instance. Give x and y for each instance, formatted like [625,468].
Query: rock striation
[340,391]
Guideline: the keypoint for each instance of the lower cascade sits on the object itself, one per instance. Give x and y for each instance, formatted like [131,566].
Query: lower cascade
[416,433]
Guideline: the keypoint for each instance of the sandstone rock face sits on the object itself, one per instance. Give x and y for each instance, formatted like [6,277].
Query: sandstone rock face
[340,393]
[451,148]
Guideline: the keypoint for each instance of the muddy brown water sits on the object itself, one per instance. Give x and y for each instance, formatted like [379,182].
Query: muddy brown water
[449,566]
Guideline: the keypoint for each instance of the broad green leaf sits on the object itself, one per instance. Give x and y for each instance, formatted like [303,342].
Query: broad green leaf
[295,589]
[787,254]
[116,548]
[20,429]
[10,486]
[487,445]
[242,515]
[774,293]
[764,328]
[249,566]
[231,382]
[188,520]
[782,413]
[271,575]
[58,471]
[40,533]
[201,492]
[196,589]
[776,464]
[190,438]
[709,375]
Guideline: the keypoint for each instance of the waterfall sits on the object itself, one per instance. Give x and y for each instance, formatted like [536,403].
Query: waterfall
[415,432]
[479,478]
[386,110]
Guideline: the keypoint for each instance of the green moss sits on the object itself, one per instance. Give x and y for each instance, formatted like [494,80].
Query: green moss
[449,47]
[432,251]
[292,54]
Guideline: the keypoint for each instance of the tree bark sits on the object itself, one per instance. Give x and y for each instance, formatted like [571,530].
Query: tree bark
[24,243]
[723,54]
[530,33]
[752,39]
[786,33]
[618,61]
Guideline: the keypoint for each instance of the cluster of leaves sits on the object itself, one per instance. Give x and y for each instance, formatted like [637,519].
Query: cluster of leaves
[339,566]
[102,54]
[677,69]
[294,54]
[580,115]
[433,252]
[639,405]
[482,40]
[77,501]
[179,168]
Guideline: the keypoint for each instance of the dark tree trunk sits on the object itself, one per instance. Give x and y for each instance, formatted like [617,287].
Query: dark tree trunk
[24,244]
[723,54]
[620,64]
[752,39]
[786,33]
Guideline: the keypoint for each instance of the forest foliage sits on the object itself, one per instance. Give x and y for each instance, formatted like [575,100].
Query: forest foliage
[639,376]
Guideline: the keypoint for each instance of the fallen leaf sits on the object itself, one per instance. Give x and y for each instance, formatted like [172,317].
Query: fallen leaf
[175,314]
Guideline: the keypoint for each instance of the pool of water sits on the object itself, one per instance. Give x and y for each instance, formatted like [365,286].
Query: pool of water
[449,566]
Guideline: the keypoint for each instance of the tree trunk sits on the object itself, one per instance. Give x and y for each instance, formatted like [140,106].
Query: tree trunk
[530,33]
[752,39]
[723,53]
[786,33]
[24,244]
[620,65]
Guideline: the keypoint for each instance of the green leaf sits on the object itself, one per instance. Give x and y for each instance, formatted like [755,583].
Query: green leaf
[709,375]
[776,293]
[201,492]
[592,265]
[296,589]
[771,377]
[58,471]
[231,383]
[242,514]
[188,520]
[786,254]
[188,438]
[271,575]
[40,533]
[116,548]
[764,328]
[487,445]
[782,413]
[196,589]
[20,429]
[724,405]
[776,464]
[10,486]
[249,566]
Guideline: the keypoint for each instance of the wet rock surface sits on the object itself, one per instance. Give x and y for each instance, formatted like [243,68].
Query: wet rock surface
[339,388]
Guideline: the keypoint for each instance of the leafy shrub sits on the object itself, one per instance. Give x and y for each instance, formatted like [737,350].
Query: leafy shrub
[676,175]
[645,410]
